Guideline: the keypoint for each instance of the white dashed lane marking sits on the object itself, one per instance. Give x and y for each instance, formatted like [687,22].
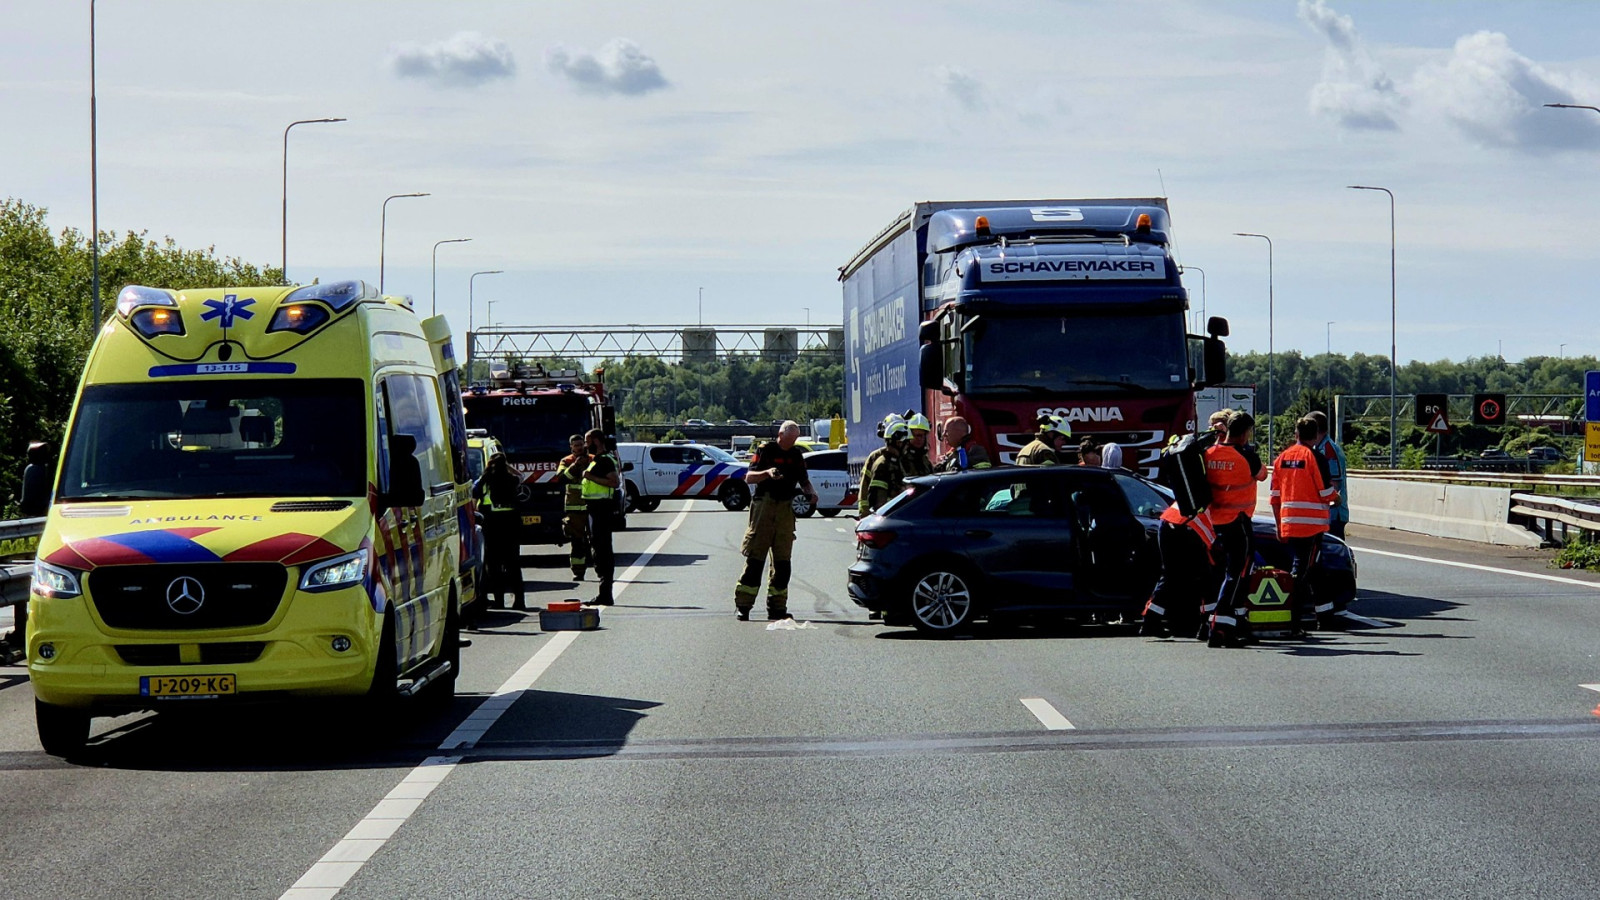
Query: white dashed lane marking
[334,870]
[1048,715]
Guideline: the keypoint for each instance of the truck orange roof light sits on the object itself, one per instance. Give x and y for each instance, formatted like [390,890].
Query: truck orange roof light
[1143,223]
[982,224]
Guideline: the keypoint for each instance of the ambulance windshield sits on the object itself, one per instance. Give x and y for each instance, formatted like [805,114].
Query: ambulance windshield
[223,438]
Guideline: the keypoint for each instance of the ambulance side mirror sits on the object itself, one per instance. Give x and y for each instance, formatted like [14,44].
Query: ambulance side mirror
[405,473]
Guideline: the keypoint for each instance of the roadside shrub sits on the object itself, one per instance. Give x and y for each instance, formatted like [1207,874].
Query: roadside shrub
[1583,553]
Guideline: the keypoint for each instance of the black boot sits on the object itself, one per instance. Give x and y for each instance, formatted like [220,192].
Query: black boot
[1154,626]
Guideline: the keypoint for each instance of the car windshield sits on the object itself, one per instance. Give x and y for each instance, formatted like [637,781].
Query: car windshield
[719,454]
[233,438]
[1066,354]
[530,424]
[475,462]
[1144,498]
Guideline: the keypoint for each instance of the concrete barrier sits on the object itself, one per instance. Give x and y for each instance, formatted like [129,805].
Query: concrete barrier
[1481,514]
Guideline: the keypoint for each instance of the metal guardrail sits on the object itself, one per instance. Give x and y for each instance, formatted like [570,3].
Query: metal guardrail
[19,541]
[1547,513]
[1499,479]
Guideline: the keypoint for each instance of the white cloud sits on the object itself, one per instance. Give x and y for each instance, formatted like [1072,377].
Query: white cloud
[619,67]
[468,59]
[1495,96]
[1354,91]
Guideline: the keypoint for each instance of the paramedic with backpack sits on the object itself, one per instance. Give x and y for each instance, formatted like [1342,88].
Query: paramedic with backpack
[1302,493]
[1232,470]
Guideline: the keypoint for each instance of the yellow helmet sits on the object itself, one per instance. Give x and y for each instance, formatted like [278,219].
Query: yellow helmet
[918,422]
[1055,425]
[896,431]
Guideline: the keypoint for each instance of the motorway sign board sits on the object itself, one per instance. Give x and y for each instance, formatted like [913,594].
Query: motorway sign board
[1489,409]
[1433,412]
[1591,442]
[1591,396]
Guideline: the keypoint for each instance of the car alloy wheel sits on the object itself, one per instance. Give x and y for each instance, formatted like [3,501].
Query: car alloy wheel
[941,602]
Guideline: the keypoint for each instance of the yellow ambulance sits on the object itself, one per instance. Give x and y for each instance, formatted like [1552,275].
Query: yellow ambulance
[259,497]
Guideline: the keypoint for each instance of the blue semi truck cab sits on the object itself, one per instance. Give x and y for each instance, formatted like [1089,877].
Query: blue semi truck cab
[1003,311]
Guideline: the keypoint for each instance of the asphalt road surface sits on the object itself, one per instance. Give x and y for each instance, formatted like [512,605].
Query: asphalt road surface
[680,753]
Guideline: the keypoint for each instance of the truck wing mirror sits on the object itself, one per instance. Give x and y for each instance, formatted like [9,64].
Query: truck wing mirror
[405,473]
[1216,359]
[930,367]
[928,332]
[1217,327]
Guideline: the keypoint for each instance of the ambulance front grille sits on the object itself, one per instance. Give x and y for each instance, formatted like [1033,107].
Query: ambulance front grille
[214,654]
[163,597]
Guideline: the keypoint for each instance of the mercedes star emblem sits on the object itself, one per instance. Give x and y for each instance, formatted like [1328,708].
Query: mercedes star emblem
[185,595]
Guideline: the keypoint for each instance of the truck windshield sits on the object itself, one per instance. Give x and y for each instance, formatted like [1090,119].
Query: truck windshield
[540,427]
[223,438]
[1074,354]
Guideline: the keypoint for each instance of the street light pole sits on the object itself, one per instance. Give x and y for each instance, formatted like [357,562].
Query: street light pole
[436,269]
[490,304]
[1328,355]
[94,185]
[285,247]
[1187,269]
[383,233]
[1271,304]
[470,305]
[1394,412]
[700,307]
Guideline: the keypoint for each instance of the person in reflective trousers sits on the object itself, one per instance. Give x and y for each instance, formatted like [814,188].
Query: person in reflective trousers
[502,550]
[601,478]
[1302,492]
[1232,470]
[576,521]
[778,473]
[1339,470]
[1186,567]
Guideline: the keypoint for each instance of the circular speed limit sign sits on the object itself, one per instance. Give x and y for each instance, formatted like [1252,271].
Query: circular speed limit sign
[1489,409]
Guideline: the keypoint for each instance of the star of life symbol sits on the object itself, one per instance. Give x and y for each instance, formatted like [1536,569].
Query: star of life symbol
[185,595]
[227,309]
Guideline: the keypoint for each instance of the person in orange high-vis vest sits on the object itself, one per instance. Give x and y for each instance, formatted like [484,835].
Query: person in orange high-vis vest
[1232,470]
[1302,492]
[1183,591]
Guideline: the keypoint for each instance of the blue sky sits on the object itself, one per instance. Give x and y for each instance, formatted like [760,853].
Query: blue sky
[614,157]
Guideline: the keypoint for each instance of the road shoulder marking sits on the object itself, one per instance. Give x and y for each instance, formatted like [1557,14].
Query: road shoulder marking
[328,875]
[1540,576]
[1048,716]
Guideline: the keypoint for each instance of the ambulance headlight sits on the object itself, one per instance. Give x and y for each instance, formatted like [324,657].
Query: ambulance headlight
[134,296]
[54,582]
[151,322]
[339,572]
[300,318]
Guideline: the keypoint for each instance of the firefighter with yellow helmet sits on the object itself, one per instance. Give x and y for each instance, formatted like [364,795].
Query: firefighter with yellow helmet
[883,478]
[1045,450]
[914,457]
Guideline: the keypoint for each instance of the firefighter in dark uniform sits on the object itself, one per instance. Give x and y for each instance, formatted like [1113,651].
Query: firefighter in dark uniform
[883,478]
[914,461]
[777,473]
[963,454]
[502,550]
[1045,450]
[601,479]
[576,521]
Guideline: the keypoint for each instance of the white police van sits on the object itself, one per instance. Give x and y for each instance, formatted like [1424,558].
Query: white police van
[682,470]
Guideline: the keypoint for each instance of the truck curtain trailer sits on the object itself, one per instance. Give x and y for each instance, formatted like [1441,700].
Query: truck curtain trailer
[1004,311]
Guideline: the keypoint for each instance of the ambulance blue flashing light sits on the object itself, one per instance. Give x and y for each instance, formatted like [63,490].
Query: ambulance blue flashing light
[134,296]
[338,295]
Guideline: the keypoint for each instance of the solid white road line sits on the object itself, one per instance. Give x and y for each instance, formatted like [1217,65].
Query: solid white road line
[1047,715]
[1590,687]
[1370,623]
[1477,568]
[334,870]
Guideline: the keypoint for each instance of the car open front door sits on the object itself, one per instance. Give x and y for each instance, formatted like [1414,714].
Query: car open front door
[1113,540]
